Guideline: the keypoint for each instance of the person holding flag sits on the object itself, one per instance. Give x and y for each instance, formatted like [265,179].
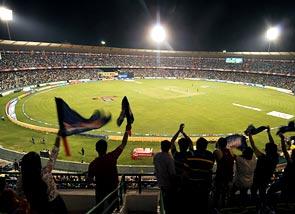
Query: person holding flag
[71,122]
[104,167]
[36,183]
[265,166]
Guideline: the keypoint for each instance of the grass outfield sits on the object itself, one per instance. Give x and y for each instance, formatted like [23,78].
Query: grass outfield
[158,105]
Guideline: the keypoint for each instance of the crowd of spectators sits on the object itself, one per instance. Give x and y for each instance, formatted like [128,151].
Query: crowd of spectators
[19,79]
[39,67]
[286,82]
[186,179]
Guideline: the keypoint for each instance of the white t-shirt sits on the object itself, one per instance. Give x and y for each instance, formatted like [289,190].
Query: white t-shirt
[244,172]
[164,168]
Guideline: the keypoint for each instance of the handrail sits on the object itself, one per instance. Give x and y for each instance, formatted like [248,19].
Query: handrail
[162,209]
[118,199]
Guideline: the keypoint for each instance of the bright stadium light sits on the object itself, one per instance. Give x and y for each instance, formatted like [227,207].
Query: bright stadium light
[158,33]
[5,14]
[272,34]
[102,42]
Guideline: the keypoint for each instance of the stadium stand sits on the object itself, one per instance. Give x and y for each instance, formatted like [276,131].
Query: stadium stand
[23,65]
[32,63]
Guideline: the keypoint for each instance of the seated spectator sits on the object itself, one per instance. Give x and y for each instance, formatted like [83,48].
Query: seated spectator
[265,167]
[165,173]
[224,172]
[286,183]
[245,167]
[36,184]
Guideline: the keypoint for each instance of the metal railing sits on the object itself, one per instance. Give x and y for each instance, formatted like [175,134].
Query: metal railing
[132,181]
[112,201]
[162,209]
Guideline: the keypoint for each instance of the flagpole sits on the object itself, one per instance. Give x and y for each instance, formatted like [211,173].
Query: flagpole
[66,146]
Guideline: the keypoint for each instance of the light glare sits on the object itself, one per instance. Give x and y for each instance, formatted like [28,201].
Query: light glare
[272,33]
[158,34]
[103,42]
[5,14]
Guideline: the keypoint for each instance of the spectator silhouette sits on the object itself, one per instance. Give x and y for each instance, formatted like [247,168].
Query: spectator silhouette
[37,185]
[165,173]
[82,154]
[285,184]
[16,165]
[10,202]
[184,144]
[224,172]
[200,166]
[104,167]
[265,167]
[180,159]
[245,167]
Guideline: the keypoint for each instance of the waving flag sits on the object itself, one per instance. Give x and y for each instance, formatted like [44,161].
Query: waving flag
[125,112]
[70,122]
[289,128]
[253,130]
[236,141]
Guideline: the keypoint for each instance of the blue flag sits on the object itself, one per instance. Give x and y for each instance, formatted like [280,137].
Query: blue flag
[70,122]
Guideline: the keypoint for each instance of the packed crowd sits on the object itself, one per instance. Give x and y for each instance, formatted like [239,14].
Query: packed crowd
[10,80]
[188,186]
[217,68]
[286,82]
[19,79]
[185,175]
[11,60]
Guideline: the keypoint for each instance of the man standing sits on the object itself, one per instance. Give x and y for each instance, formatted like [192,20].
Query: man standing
[185,150]
[200,176]
[82,154]
[265,167]
[224,172]
[165,172]
[104,167]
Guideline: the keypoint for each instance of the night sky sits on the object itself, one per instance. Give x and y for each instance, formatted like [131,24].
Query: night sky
[199,25]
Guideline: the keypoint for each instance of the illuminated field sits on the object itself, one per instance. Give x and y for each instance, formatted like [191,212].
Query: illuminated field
[159,107]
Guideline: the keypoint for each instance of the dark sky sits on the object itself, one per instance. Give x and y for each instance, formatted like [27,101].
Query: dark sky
[200,25]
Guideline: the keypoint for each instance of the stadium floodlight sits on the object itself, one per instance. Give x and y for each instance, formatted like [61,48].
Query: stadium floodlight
[158,33]
[5,14]
[272,34]
[102,42]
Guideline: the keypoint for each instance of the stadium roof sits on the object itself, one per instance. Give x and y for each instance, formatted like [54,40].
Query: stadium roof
[45,46]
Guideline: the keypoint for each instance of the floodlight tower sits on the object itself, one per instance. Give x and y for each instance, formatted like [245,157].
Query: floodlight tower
[272,34]
[158,33]
[6,16]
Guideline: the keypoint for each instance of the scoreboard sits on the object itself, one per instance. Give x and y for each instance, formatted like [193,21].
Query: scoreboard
[234,60]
